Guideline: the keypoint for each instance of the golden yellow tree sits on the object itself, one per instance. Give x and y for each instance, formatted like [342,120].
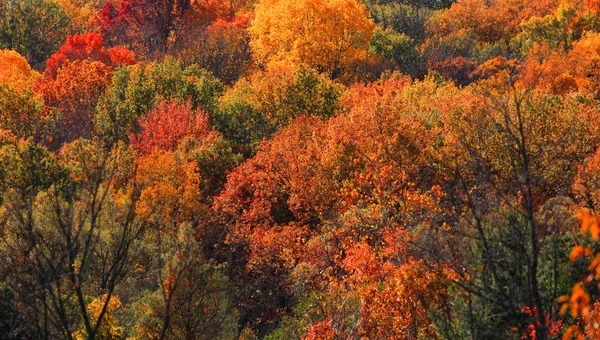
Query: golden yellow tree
[109,328]
[328,35]
[15,70]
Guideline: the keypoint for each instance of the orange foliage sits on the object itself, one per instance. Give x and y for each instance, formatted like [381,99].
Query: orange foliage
[109,328]
[584,309]
[170,187]
[400,309]
[585,56]
[339,198]
[15,70]
[546,69]
[579,251]
[283,183]
[166,125]
[591,224]
[74,92]
[586,185]
[564,72]
[488,21]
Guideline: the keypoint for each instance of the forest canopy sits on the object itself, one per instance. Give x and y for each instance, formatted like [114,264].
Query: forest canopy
[299,169]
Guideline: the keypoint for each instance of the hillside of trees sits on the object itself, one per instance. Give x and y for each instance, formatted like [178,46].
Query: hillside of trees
[299,169]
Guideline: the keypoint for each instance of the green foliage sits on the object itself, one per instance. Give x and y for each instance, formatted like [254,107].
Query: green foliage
[257,107]
[421,4]
[21,113]
[29,168]
[552,29]
[318,307]
[137,89]
[214,161]
[34,28]
[200,304]
[242,125]
[402,18]
[399,48]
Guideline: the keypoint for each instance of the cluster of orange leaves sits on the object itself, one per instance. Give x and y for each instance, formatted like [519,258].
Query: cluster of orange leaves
[15,70]
[580,303]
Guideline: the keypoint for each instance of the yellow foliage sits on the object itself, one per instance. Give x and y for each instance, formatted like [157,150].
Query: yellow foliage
[328,35]
[82,12]
[109,326]
[170,187]
[15,70]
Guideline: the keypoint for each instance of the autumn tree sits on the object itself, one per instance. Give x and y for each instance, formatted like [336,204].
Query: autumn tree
[327,36]
[400,31]
[270,214]
[221,47]
[82,13]
[34,28]
[301,206]
[110,327]
[20,108]
[193,301]
[87,46]
[474,31]
[582,302]
[144,26]
[489,21]
[263,103]
[16,71]
[175,127]
[164,127]
[58,254]
[176,177]
[71,98]
[22,112]
[509,170]
[137,89]
[397,49]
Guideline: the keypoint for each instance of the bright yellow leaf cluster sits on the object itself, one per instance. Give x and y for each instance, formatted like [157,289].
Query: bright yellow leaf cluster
[328,35]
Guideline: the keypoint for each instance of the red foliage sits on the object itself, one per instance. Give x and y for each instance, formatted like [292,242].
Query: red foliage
[554,327]
[458,69]
[357,168]
[323,330]
[88,46]
[108,15]
[165,126]
[242,20]
[137,20]
[120,56]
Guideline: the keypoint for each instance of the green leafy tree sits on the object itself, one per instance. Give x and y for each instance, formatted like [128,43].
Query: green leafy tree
[34,28]
[137,89]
